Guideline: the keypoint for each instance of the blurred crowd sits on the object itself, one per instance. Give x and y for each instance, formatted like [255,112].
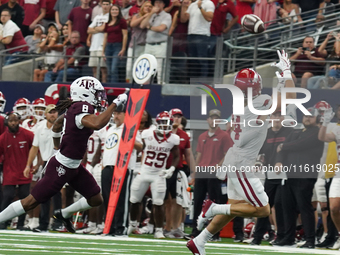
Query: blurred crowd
[115,33]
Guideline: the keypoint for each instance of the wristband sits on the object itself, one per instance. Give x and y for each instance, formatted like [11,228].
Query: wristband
[56,135]
[287,74]
[200,8]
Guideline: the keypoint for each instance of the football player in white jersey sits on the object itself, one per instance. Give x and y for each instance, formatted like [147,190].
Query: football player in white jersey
[157,144]
[245,191]
[334,190]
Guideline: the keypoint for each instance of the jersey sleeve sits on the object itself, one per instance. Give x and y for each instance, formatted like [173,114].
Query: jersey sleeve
[145,134]
[176,139]
[262,102]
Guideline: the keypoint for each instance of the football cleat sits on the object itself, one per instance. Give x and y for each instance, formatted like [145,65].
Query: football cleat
[132,230]
[205,214]
[194,248]
[67,222]
[159,234]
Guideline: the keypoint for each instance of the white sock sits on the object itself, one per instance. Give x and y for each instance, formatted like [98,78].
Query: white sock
[133,223]
[13,210]
[159,230]
[34,222]
[92,224]
[221,209]
[80,205]
[203,237]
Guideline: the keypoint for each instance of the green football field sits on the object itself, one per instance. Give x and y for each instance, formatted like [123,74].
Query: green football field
[17,242]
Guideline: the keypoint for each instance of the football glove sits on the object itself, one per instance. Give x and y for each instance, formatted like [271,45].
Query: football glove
[327,117]
[167,173]
[283,64]
[121,99]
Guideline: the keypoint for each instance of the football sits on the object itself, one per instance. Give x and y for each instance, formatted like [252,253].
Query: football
[252,23]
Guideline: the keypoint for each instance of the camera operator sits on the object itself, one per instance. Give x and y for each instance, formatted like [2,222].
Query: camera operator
[305,70]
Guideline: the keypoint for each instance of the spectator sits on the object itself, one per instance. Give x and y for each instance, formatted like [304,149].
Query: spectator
[332,54]
[35,11]
[212,146]
[313,66]
[17,12]
[52,55]
[50,13]
[125,6]
[43,143]
[266,11]
[113,138]
[62,10]
[79,19]
[33,41]
[97,10]
[96,38]
[179,30]
[15,144]
[272,186]
[303,6]
[173,7]
[158,23]
[74,63]
[329,133]
[320,26]
[222,8]
[115,40]
[301,148]
[243,7]
[12,38]
[138,36]
[136,8]
[173,209]
[200,14]
[329,8]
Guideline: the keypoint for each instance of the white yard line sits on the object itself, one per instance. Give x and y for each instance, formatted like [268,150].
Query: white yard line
[169,242]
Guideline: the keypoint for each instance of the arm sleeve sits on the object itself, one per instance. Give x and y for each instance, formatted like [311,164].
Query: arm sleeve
[167,21]
[209,6]
[56,6]
[94,23]
[187,143]
[42,4]
[232,9]
[303,143]
[10,30]
[71,15]
[79,117]
[36,140]
[123,24]
[199,144]
[79,51]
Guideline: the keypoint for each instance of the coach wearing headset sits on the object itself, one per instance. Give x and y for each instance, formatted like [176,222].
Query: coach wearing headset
[301,152]
[15,144]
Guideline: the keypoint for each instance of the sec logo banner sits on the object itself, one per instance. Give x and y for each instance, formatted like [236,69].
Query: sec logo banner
[144,68]
[111,141]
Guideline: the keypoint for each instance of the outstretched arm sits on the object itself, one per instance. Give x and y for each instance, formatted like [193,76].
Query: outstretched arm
[56,131]
[285,77]
[97,122]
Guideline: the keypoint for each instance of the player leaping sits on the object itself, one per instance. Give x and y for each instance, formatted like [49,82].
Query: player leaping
[245,191]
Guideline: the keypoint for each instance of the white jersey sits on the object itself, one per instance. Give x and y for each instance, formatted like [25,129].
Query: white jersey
[248,135]
[98,137]
[157,150]
[336,131]
[329,129]
[29,125]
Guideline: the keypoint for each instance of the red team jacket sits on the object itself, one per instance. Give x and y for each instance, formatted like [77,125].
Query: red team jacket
[15,149]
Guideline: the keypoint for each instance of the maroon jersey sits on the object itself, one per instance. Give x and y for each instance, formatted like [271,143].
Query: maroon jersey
[15,148]
[74,141]
[2,125]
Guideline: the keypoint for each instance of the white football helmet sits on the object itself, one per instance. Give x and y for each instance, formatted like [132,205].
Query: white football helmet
[88,89]
[38,108]
[2,102]
[164,122]
[23,107]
